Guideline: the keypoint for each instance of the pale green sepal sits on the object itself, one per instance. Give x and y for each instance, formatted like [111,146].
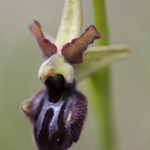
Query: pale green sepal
[71,23]
[56,65]
[96,58]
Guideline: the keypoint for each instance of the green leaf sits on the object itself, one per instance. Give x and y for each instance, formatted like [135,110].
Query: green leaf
[71,23]
[99,57]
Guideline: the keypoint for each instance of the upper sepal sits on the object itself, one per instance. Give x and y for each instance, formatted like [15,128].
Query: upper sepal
[73,51]
[47,47]
[71,23]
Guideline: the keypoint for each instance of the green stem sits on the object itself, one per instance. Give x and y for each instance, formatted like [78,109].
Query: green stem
[98,85]
[101,20]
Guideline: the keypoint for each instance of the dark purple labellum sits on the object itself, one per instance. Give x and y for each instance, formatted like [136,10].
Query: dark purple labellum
[57,114]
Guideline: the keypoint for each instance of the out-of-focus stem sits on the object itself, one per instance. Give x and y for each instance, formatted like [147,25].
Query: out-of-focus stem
[98,85]
[100,18]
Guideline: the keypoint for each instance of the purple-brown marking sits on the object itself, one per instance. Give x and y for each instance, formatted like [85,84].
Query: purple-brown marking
[73,51]
[47,47]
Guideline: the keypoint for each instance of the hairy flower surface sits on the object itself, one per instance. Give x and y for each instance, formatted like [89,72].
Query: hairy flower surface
[57,113]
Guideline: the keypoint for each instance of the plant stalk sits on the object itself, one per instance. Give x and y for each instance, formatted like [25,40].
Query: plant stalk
[98,85]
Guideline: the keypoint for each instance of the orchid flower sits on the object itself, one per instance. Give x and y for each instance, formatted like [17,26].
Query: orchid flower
[58,112]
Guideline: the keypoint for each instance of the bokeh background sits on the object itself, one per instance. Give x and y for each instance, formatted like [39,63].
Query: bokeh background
[20,58]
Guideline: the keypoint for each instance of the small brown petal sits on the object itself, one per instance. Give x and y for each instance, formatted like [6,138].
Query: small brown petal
[46,46]
[73,51]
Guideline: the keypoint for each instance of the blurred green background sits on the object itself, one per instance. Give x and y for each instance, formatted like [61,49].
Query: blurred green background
[20,58]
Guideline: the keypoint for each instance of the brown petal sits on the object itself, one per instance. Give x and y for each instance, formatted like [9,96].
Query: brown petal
[46,46]
[73,51]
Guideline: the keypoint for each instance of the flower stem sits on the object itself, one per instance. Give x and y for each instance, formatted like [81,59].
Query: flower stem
[101,21]
[98,85]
